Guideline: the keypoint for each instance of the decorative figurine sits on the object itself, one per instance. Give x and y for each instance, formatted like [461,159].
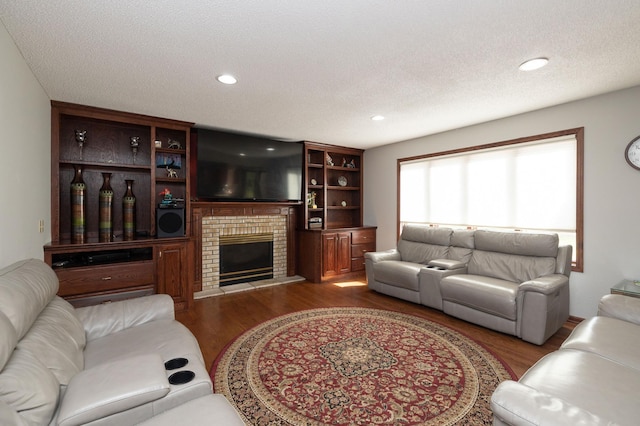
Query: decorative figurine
[174,144]
[171,172]
[311,200]
[329,160]
[81,138]
[352,164]
[166,194]
[344,162]
[134,142]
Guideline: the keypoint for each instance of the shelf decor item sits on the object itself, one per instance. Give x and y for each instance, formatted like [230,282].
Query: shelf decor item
[135,143]
[78,207]
[81,138]
[105,210]
[129,212]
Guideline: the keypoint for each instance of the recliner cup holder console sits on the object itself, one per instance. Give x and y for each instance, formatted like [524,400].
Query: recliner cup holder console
[180,377]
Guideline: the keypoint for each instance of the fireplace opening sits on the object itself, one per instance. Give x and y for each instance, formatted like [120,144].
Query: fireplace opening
[245,258]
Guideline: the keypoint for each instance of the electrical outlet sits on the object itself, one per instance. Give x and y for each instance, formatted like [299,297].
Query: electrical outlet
[41,225]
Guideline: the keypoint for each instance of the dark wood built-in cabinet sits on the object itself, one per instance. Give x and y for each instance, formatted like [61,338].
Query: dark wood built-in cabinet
[325,235]
[340,251]
[97,270]
[332,229]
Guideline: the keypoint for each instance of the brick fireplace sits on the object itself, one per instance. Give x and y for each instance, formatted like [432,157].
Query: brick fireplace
[212,223]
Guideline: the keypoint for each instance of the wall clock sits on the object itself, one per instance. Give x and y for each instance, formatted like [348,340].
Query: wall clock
[632,153]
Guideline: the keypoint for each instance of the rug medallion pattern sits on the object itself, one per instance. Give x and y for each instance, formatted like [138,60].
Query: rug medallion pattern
[358,366]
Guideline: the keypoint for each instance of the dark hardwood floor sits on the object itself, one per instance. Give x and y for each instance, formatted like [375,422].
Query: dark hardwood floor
[216,321]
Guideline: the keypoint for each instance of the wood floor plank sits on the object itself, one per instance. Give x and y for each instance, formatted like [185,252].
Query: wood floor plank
[216,321]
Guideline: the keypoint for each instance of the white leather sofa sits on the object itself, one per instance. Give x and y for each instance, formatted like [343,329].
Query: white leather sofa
[515,283]
[98,365]
[591,380]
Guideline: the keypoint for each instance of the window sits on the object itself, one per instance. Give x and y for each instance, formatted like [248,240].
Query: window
[530,184]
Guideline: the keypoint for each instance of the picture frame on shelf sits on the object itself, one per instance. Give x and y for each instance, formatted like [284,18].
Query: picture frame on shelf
[172,161]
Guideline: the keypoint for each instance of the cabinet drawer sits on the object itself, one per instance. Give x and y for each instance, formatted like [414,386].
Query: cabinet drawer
[358,250]
[85,280]
[81,301]
[357,264]
[363,236]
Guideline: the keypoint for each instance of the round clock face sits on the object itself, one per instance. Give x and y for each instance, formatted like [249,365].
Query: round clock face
[342,181]
[632,153]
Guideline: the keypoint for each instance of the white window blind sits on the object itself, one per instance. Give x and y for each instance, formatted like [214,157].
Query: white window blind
[521,186]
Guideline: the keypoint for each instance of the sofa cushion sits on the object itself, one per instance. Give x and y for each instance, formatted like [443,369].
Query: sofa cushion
[8,339]
[589,381]
[420,244]
[485,294]
[26,287]
[168,338]
[27,386]
[543,245]
[609,338]
[58,333]
[510,267]
[426,234]
[463,238]
[204,411]
[398,273]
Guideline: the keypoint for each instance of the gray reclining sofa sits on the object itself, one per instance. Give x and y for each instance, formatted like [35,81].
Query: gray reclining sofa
[515,283]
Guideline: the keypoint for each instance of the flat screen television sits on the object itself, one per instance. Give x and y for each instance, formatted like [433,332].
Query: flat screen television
[237,167]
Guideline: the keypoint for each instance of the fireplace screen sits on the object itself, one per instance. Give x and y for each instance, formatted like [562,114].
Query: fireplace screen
[245,258]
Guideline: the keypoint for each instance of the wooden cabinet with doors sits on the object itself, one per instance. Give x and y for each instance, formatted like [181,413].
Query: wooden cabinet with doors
[174,273]
[326,255]
[336,253]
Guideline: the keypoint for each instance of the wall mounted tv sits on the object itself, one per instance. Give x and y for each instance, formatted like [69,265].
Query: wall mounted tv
[236,167]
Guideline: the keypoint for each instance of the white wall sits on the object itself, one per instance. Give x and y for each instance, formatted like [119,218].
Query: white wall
[611,187]
[25,124]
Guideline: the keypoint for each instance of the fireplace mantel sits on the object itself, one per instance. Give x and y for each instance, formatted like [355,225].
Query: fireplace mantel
[200,210]
[243,208]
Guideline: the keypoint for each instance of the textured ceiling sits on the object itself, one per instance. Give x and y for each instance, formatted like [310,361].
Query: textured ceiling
[318,70]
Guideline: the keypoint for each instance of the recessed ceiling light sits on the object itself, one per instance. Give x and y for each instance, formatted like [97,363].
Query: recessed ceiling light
[227,79]
[533,64]
[271,149]
[377,117]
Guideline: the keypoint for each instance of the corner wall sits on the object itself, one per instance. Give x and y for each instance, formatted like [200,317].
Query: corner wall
[611,187]
[25,120]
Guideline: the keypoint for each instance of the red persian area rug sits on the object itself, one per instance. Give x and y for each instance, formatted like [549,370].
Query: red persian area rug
[357,366]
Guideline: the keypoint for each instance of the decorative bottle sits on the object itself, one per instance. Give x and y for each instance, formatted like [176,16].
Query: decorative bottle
[129,212]
[78,207]
[105,210]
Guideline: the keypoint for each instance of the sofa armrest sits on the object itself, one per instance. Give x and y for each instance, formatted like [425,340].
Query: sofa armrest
[108,318]
[379,256]
[113,387]
[547,284]
[517,404]
[622,307]
[447,264]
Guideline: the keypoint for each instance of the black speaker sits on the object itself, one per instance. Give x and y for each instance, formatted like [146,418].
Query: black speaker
[170,223]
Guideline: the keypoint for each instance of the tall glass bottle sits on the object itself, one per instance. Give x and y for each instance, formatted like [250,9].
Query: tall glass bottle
[105,211]
[129,212]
